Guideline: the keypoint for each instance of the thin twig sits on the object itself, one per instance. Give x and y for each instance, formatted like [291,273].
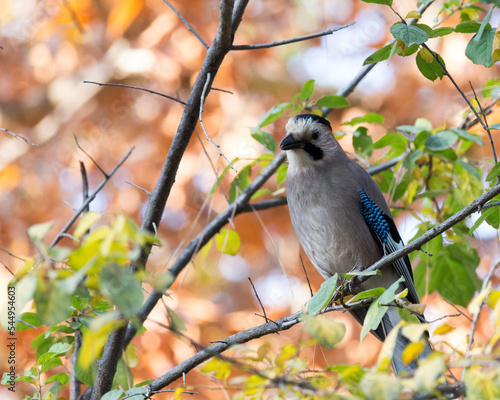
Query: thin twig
[13,255]
[483,123]
[18,137]
[202,102]
[139,88]
[89,199]
[288,41]
[307,276]
[458,309]
[258,299]
[188,25]
[485,126]
[89,156]
[85,184]
[138,187]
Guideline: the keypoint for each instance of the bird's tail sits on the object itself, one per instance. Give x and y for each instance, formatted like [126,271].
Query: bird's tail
[390,320]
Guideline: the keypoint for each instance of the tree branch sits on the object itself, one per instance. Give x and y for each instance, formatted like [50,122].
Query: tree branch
[89,199]
[139,88]
[238,338]
[240,205]
[18,137]
[288,41]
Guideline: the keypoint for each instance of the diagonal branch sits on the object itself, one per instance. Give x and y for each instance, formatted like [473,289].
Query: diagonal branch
[220,346]
[188,25]
[18,137]
[89,199]
[288,41]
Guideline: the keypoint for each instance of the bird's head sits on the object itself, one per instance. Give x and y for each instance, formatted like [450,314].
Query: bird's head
[309,141]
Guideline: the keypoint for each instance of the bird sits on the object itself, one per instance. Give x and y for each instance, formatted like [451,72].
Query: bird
[342,219]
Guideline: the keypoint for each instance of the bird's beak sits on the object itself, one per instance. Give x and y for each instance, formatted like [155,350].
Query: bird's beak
[289,143]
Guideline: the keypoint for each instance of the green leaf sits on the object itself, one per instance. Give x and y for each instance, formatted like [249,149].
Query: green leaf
[307,91]
[264,138]
[409,162]
[60,348]
[409,34]
[113,394]
[87,220]
[115,281]
[484,23]
[28,320]
[376,311]
[361,141]
[441,140]
[370,118]
[482,385]
[323,296]
[394,140]
[60,377]
[479,48]
[52,302]
[366,294]
[274,113]
[379,386]
[467,27]
[443,31]
[228,241]
[38,231]
[332,101]
[380,55]
[495,126]
[454,274]
[175,321]
[495,171]
[431,70]
[470,169]
[281,173]
[463,134]
[383,2]
[325,331]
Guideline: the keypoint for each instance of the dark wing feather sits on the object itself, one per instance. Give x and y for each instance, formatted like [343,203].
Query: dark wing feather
[386,235]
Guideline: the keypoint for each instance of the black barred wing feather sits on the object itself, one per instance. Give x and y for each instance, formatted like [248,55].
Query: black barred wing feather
[387,236]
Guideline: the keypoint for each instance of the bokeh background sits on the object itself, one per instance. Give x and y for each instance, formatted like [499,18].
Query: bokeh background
[51,47]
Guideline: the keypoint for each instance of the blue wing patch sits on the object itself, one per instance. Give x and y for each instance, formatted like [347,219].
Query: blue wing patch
[374,216]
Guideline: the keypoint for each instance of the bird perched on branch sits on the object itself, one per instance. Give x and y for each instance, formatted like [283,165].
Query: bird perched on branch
[341,218]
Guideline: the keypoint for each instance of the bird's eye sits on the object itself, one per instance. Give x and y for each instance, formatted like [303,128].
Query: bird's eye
[315,135]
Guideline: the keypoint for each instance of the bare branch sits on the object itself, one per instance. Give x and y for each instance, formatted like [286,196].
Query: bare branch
[18,137]
[138,187]
[238,338]
[288,41]
[139,88]
[258,299]
[188,25]
[89,156]
[90,198]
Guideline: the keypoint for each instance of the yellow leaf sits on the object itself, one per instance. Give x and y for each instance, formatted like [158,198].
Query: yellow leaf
[426,55]
[475,304]
[495,55]
[228,242]
[85,223]
[416,308]
[414,331]
[443,329]
[493,297]
[429,371]
[412,351]
[95,339]
[413,14]
[324,330]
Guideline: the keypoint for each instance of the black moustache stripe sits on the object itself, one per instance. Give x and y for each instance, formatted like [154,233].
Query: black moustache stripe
[314,151]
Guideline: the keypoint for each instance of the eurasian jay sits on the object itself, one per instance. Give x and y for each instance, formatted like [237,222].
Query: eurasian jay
[341,218]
